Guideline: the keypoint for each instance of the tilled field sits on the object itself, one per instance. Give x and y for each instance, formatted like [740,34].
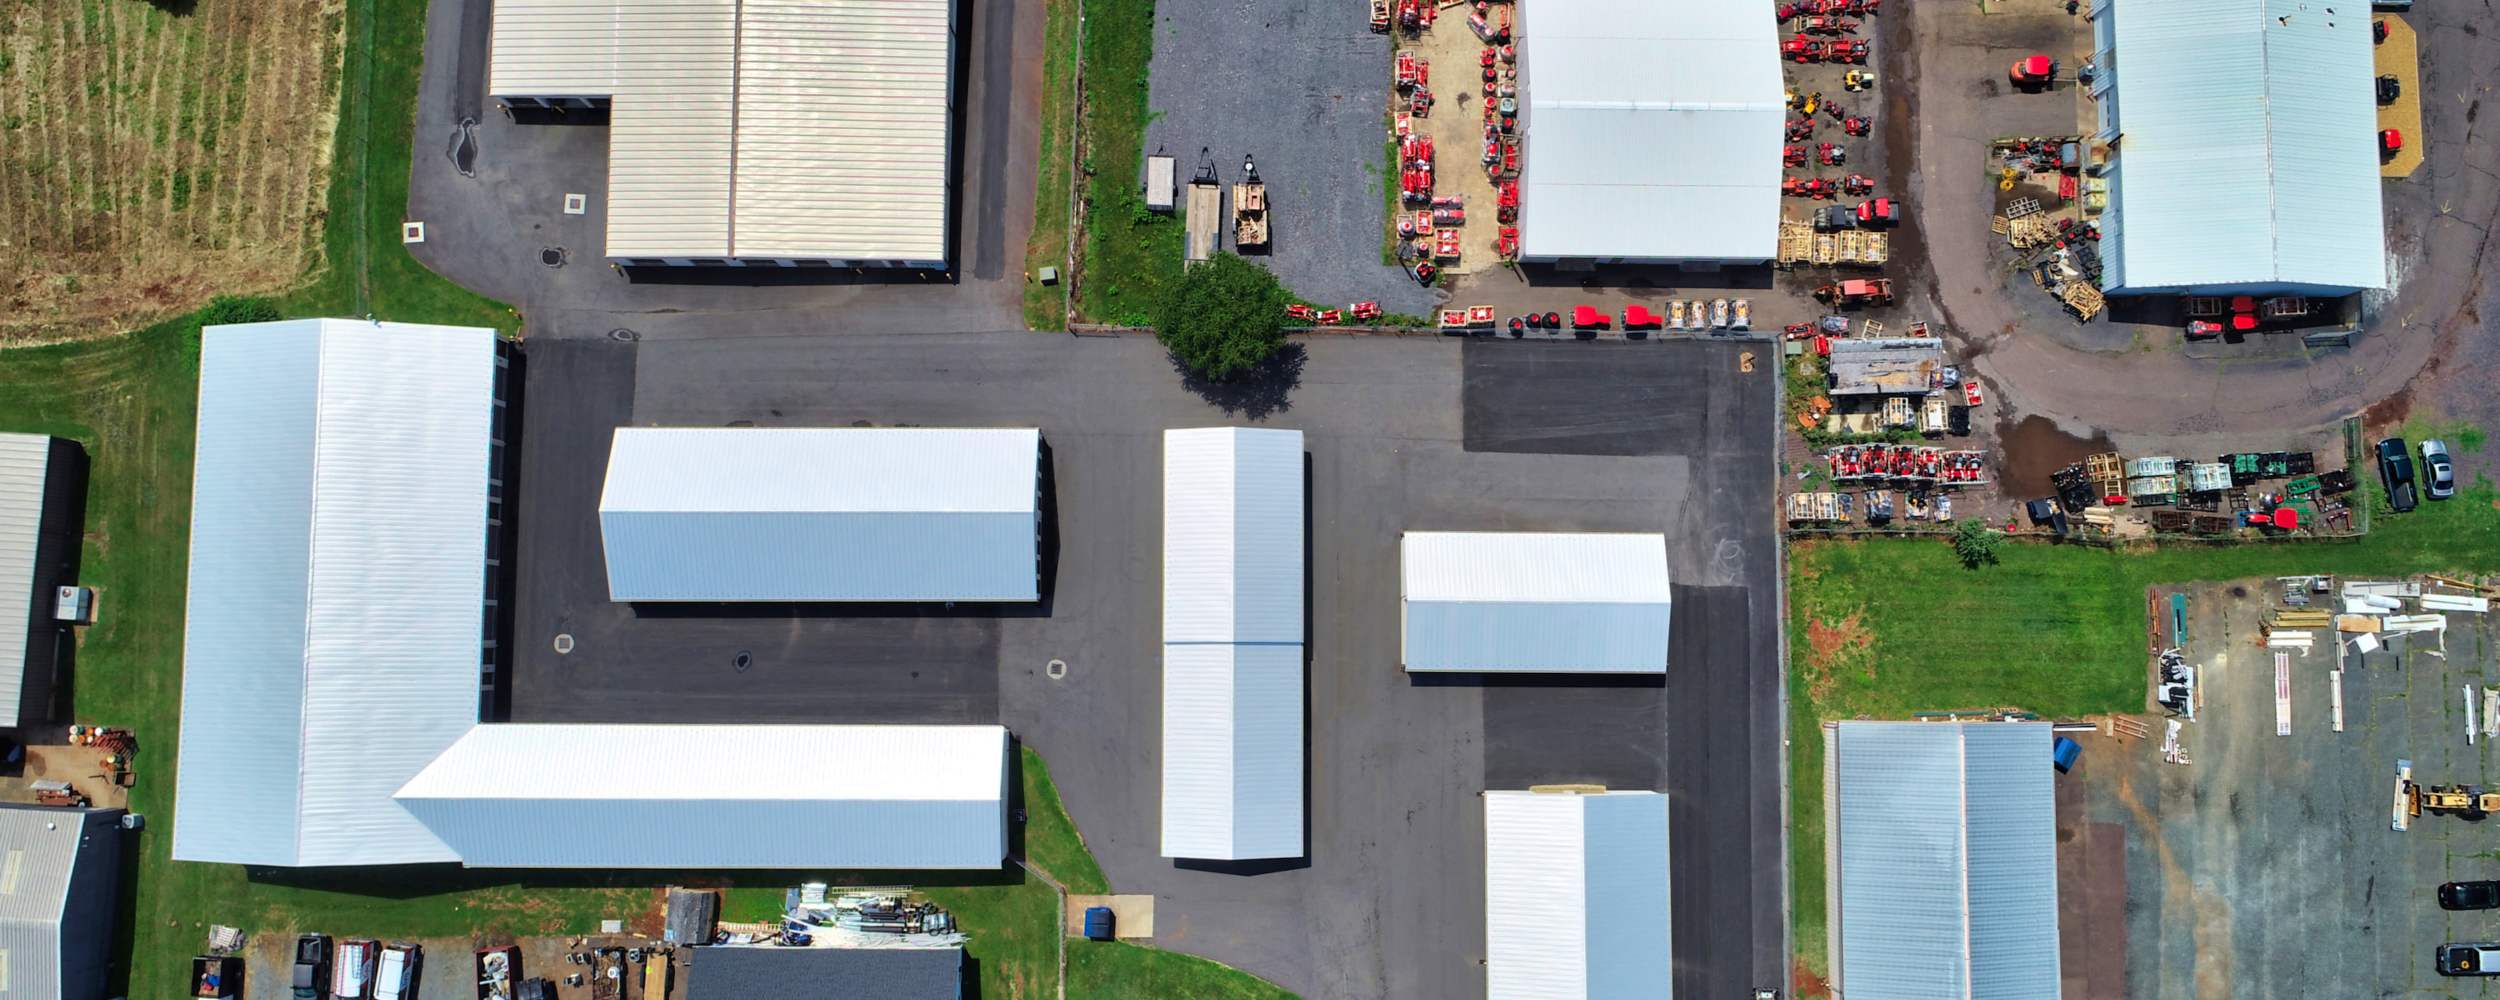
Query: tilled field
[155,154]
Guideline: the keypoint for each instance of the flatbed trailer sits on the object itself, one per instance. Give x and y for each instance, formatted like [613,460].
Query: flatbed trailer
[1205,208]
[1250,216]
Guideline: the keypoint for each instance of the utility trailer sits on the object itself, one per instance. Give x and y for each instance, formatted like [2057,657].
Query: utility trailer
[1206,205]
[1814,508]
[1250,213]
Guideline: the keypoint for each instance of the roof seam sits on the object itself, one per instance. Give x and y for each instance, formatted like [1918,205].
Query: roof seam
[312,565]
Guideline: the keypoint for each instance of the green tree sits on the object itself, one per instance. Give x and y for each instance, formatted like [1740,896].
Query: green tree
[1224,318]
[1976,543]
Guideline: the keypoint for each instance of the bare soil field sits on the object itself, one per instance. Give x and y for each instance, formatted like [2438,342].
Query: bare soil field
[155,154]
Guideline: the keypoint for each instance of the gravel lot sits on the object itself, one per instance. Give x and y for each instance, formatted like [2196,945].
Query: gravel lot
[1303,88]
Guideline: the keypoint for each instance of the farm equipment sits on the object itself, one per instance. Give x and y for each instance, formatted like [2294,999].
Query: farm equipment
[1250,211]
[1855,125]
[1830,154]
[1808,187]
[1365,311]
[1847,50]
[1857,184]
[1829,24]
[1856,292]
[1806,50]
[2466,801]
[1792,155]
[1856,80]
[1800,128]
[1813,508]
[1879,213]
[2033,72]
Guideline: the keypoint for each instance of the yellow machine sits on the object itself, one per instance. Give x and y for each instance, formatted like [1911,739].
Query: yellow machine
[2460,799]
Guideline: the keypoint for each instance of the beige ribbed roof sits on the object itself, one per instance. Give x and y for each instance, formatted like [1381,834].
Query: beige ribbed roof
[769,128]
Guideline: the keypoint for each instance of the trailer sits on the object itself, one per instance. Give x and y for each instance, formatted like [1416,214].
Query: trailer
[1160,183]
[1206,204]
[1934,417]
[1814,508]
[1250,212]
[217,976]
[498,969]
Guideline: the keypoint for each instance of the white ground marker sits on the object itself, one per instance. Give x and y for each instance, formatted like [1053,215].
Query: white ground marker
[2282,694]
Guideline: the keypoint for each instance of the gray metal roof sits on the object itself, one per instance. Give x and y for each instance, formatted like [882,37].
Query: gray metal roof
[1232,535]
[25,461]
[744,973]
[57,899]
[2245,154]
[1898,366]
[822,514]
[1552,602]
[1652,130]
[1944,879]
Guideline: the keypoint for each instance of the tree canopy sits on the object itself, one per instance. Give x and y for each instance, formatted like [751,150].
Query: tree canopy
[1224,318]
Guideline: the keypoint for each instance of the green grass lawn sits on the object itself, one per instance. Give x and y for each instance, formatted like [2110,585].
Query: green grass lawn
[1131,254]
[1045,307]
[1887,627]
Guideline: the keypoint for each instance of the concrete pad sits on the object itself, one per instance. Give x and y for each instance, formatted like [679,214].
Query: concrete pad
[2399,57]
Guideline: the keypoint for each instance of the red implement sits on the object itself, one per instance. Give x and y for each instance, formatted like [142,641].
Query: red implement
[1587,318]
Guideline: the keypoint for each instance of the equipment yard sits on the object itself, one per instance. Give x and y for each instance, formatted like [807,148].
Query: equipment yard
[2264,864]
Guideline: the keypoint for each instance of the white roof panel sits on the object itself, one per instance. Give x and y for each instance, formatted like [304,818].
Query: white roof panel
[1576,896]
[780,797]
[1232,535]
[1652,130]
[336,599]
[1540,602]
[553,48]
[670,151]
[1232,751]
[822,514]
[25,461]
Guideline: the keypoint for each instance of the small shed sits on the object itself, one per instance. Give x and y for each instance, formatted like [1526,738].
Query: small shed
[692,916]
[1161,183]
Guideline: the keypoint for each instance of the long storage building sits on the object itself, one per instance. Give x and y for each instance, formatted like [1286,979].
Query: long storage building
[687,796]
[43,485]
[752,133]
[336,627]
[1536,602]
[1576,901]
[1232,643]
[822,514]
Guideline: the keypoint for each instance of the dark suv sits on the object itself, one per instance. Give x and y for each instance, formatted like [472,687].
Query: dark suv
[2395,469]
[312,967]
[2482,895]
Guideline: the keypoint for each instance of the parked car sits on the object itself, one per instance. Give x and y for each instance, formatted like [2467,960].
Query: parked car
[353,978]
[2439,478]
[2482,895]
[396,977]
[2481,959]
[2395,470]
[312,967]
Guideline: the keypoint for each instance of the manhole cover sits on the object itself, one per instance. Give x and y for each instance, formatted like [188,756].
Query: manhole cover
[1056,669]
[564,643]
[551,256]
[623,336]
[742,661]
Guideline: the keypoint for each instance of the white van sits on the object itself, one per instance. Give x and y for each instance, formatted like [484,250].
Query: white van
[398,971]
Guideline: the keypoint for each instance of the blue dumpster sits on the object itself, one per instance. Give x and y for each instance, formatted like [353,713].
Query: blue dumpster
[1098,923]
[2065,752]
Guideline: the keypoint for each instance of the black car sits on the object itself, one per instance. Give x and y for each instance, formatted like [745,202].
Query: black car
[2483,895]
[2395,469]
[312,967]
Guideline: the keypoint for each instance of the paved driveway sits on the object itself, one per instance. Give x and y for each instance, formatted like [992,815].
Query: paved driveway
[486,231]
[1390,901]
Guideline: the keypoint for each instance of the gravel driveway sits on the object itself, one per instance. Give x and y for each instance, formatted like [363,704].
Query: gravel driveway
[1302,87]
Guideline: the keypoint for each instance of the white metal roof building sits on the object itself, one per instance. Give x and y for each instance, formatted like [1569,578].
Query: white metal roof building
[763,133]
[40,482]
[822,514]
[2244,151]
[1539,602]
[1233,579]
[59,879]
[1941,868]
[1652,132]
[335,621]
[685,796]
[1576,902]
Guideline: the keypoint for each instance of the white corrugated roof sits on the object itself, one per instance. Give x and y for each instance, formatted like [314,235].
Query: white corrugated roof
[336,600]
[629,796]
[25,460]
[806,129]
[38,874]
[1652,130]
[1547,602]
[1232,751]
[1232,535]
[822,514]
[1576,896]
[2245,154]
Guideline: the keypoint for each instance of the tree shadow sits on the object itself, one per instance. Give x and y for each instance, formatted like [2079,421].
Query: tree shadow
[1263,390]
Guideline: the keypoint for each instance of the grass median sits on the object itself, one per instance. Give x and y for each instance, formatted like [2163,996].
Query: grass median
[1884,628]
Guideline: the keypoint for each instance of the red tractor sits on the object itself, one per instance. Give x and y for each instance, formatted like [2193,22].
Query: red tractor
[1847,50]
[1806,50]
[1830,154]
[1857,184]
[1854,125]
[1793,155]
[2033,73]
[1856,292]
[1800,128]
[1806,187]
[1880,213]
[1826,24]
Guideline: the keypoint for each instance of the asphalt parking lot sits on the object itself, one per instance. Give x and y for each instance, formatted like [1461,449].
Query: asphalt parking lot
[2266,868]
[1302,86]
[1390,901]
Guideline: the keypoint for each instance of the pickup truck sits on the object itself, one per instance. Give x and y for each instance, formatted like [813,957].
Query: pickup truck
[2395,468]
[397,973]
[312,967]
[353,976]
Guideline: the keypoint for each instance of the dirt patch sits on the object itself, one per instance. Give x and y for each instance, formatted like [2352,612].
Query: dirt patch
[1803,983]
[149,160]
[2034,448]
[1828,644]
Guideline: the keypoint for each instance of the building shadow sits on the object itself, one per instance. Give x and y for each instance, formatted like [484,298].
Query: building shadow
[1263,391]
[773,276]
[1637,277]
[590,117]
[1246,868]
[1523,680]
